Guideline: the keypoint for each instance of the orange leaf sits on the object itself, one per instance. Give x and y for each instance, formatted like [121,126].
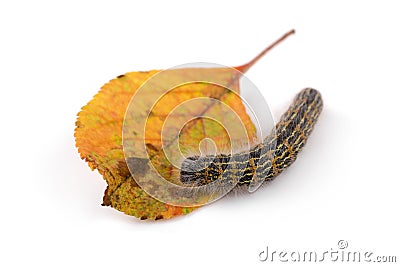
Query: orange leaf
[100,124]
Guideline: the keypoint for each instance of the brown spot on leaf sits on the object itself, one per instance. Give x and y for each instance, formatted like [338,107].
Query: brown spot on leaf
[106,198]
[138,166]
[122,169]
[151,147]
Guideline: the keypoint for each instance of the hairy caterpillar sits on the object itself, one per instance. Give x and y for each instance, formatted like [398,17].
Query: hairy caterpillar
[265,160]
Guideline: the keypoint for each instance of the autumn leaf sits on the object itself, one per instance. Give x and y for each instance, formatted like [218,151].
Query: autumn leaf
[112,112]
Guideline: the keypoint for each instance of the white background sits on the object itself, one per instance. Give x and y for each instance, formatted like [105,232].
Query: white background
[55,55]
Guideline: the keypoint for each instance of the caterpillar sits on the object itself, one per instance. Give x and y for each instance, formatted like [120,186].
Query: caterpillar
[265,160]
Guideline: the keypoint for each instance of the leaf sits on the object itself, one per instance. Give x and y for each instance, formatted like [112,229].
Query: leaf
[100,123]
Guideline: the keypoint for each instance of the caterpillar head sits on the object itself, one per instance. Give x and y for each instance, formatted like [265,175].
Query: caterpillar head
[197,171]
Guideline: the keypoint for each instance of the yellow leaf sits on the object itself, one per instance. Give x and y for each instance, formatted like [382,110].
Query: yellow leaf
[100,123]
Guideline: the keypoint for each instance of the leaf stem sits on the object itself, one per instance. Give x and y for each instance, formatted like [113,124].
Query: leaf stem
[247,66]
